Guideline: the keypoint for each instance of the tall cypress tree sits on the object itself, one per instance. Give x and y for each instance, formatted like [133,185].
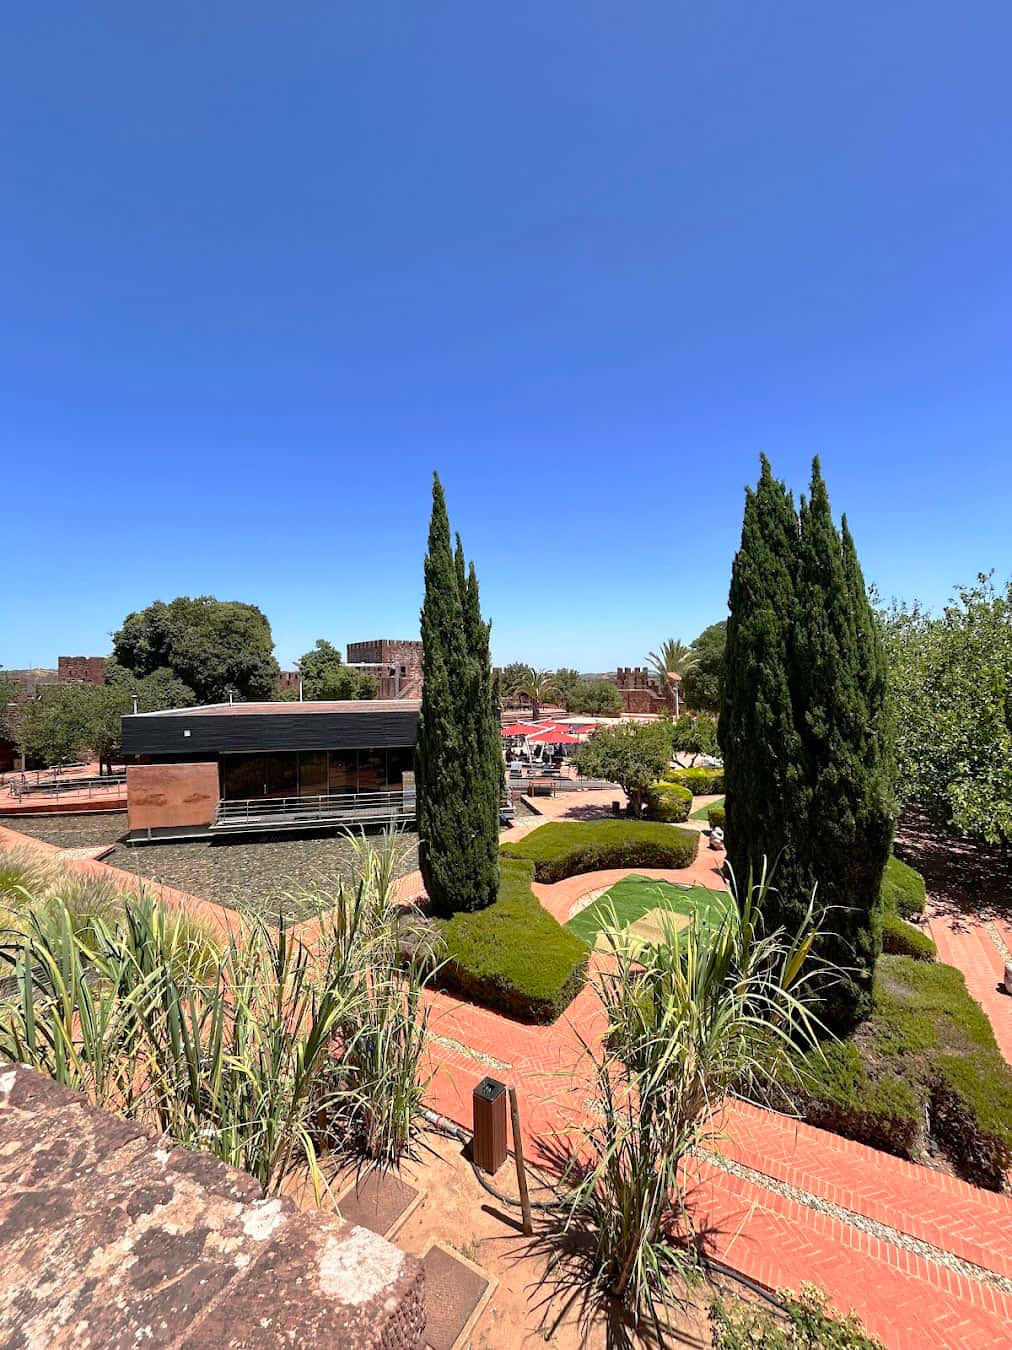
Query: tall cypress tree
[760,745]
[456,777]
[823,801]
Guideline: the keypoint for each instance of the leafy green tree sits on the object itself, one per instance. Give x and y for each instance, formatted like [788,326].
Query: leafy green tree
[325,676]
[67,722]
[597,698]
[839,690]
[155,692]
[216,647]
[632,754]
[759,741]
[950,685]
[568,686]
[511,675]
[458,764]
[803,729]
[701,683]
[694,735]
[8,707]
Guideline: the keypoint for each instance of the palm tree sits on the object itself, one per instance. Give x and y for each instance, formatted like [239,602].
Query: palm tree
[671,664]
[537,686]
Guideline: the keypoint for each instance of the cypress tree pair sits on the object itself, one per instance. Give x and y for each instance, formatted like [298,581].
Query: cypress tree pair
[458,756]
[807,763]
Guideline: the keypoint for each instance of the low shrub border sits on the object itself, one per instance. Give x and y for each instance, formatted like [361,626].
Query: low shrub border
[926,1055]
[513,956]
[670,802]
[900,938]
[700,782]
[903,890]
[563,849]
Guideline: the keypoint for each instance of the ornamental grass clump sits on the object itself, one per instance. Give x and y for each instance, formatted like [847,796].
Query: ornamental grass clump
[690,1021]
[253,1045]
[376,1086]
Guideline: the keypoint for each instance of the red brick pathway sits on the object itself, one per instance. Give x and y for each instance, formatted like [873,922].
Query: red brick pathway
[905,1297]
[964,942]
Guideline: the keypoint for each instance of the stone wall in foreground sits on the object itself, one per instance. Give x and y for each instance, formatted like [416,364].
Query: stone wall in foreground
[109,1238]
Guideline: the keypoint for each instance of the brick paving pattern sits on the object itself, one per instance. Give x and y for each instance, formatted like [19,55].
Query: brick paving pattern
[911,1300]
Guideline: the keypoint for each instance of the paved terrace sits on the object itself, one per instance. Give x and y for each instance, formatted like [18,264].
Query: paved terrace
[93,797]
[924,1258]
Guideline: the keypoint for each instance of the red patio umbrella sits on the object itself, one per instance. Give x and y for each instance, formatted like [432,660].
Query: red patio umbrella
[520,729]
[554,736]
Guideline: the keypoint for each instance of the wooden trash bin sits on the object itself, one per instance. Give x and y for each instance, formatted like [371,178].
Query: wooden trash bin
[488,1147]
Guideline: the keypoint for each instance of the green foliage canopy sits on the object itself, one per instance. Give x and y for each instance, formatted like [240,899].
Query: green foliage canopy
[569,685]
[216,647]
[325,676]
[596,698]
[694,735]
[950,678]
[702,681]
[804,730]
[632,754]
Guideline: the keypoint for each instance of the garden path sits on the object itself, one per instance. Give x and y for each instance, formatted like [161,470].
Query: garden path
[924,1258]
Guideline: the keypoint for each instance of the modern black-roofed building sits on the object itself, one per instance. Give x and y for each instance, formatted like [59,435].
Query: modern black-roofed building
[265,766]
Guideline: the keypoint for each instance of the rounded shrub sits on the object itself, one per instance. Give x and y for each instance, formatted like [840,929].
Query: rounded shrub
[670,802]
[837,1091]
[900,938]
[903,890]
[715,816]
[701,782]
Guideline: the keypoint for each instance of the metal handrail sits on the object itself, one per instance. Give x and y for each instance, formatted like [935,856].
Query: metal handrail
[392,804]
[87,786]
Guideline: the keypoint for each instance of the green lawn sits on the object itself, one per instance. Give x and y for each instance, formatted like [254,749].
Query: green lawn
[634,896]
[701,812]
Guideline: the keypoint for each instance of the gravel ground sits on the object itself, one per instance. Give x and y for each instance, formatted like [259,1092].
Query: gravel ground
[265,874]
[71,831]
[269,875]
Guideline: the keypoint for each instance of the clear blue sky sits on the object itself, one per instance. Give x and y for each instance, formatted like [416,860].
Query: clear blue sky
[265,267]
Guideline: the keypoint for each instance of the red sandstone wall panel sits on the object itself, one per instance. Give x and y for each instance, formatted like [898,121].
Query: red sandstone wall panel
[159,795]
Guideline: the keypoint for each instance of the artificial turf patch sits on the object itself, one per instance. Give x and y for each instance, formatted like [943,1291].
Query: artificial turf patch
[630,899]
[702,812]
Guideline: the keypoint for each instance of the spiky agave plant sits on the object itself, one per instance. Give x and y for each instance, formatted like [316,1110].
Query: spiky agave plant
[703,1013]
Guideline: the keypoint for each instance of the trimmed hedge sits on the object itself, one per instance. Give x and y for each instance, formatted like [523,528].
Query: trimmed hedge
[700,782]
[903,890]
[900,938]
[668,802]
[715,817]
[837,1092]
[563,849]
[926,1054]
[513,956]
